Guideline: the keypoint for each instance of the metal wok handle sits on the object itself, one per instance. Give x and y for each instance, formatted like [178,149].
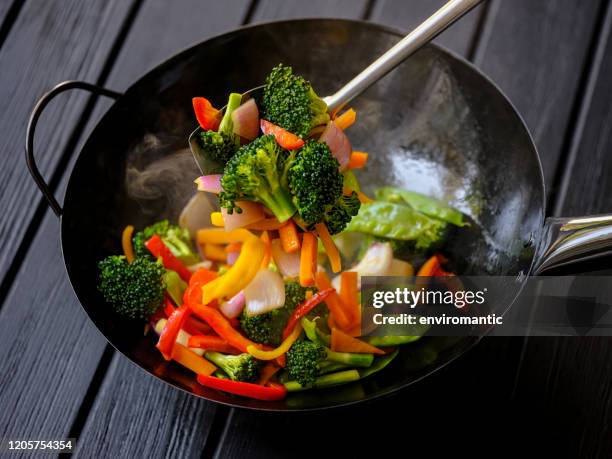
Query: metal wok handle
[570,240]
[36,112]
[425,32]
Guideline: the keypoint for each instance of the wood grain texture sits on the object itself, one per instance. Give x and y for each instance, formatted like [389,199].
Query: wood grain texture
[50,349]
[136,415]
[51,41]
[407,15]
[568,382]
[269,10]
[536,51]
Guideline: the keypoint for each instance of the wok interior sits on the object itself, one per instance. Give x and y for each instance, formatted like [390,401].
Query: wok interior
[434,125]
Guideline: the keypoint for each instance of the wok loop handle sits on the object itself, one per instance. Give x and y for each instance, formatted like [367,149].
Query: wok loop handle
[36,112]
[424,33]
[571,240]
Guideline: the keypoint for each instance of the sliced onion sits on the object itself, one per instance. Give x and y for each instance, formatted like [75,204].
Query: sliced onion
[196,213]
[288,263]
[338,143]
[232,257]
[207,264]
[234,306]
[246,120]
[209,183]
[251,213]
[265,293]
[376,262]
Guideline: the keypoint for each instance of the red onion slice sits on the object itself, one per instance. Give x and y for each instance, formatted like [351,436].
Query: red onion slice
[246,120]
[338,143]
[234,306]
[210,183]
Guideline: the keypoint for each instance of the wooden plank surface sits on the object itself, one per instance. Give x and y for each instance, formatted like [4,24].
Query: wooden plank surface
[536,51]
[271,10]
[409,14]
[136,415]
[49,349]
[51,41]
[568,382]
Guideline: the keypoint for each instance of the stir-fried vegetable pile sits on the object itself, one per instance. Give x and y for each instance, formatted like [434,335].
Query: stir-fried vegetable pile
[248,303]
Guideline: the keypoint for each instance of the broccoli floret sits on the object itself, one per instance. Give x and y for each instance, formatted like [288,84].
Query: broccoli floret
[177,239]
[341,213]
[267,328]
[290,102]
[303,361]
[242,367]
[315,182]
[217,146]
[256,173]
[136,289]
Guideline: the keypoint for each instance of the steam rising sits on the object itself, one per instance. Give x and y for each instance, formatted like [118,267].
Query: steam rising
[159,176]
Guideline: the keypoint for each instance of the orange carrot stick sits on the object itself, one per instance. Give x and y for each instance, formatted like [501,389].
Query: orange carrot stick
[233,247]
[265,237]
[289,237]
[346,119]
[335,304]
[357,160]
[308,260]
[126,242]
[330,247]
[342,342]
[350,296]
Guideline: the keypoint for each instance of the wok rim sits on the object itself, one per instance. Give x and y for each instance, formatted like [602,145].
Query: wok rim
[361,23]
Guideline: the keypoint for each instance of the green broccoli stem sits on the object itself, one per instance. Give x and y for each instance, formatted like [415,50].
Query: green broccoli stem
[329,380]
[280,203]
[387,341]
[347,358]
[227,126]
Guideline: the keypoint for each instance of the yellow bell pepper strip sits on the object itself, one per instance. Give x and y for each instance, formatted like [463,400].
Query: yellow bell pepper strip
[193,361]
[222,326]
[269,393]
[216,219]
[220,236]
[330,247]
[304,308]
[126,243]
[239,275]
[280,350]
[214,252]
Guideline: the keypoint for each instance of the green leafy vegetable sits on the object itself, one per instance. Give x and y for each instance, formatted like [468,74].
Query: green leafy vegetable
[396,221]
[424,204]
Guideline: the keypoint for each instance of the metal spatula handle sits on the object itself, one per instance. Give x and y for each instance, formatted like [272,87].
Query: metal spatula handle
[424,33]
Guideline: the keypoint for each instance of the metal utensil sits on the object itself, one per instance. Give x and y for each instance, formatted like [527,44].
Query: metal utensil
[424,33]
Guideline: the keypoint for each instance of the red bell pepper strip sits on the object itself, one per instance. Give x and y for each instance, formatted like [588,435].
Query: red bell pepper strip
[212,343]
[222,326]
[304,308]
[167,338]
[193,293]
[269,393]
[207,115]
[194,326]
[168,307]
[159,250]
[284,138]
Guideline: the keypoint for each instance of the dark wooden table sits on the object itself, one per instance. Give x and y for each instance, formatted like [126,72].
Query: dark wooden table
[59,377]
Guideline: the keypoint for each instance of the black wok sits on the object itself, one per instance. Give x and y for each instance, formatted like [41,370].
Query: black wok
[435,125]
